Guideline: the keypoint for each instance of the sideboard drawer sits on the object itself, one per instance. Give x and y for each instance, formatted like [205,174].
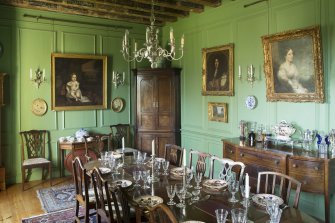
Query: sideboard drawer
[229,151]
[309,173]
[270,161]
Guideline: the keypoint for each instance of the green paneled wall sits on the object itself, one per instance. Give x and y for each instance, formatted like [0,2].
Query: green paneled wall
[233,23]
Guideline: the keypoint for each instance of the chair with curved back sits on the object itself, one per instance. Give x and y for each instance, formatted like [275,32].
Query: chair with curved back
[118,132]
[228,166]
[201,162]
[33,154]
[161,213]
[279,184]
[84,194]
[174,154]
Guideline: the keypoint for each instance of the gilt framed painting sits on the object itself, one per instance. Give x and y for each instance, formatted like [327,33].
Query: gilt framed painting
[218,71]
[293,66]
[217,112]
[78,82]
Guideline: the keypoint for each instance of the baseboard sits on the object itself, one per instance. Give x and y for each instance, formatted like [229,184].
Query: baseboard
[2,178]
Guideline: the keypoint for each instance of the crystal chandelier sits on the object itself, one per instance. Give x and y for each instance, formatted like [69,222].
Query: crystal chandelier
[151,50]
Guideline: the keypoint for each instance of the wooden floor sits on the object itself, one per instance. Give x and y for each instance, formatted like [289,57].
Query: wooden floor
[16,204]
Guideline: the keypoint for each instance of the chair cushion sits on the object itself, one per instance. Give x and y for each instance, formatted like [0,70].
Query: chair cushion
[35,161]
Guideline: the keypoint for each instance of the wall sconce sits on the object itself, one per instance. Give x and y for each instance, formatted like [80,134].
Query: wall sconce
[118,79]
[38,77]
[250,74]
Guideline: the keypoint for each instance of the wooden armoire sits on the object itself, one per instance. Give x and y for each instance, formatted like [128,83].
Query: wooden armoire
[157,108]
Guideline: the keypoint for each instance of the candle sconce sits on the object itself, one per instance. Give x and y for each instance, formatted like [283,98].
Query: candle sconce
[38,77]
[250,74]
[118,79]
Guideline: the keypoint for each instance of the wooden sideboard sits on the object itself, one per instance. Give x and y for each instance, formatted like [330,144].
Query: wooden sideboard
[312,169]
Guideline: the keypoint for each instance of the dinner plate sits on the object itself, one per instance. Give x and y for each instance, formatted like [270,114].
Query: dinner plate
[104,170]
[123,183]
[215,184]
[179,171]
[260,199]
[148,201]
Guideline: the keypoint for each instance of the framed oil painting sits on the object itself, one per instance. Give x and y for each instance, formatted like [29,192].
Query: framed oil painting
[79,82]
[293,66]
[217,70]
[217,112]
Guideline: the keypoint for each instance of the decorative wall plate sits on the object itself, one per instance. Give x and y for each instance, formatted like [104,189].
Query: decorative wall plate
[39,107]
[251,102]
[117,104]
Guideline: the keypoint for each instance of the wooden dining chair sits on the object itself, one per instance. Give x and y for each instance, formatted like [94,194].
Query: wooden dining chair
[161,213]
[84,195]
[118,131]
[174,154]
[33,154]
[279,184]
[201,161]
[106,202]
[96,145]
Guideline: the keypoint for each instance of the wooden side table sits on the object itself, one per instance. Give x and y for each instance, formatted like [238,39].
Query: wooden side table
[74,148]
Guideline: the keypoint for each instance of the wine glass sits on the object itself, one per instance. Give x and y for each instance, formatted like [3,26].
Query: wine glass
[144,175]
[117,165]
[272,208]
[157,167]
[195,193]
[233,187]
[189,176]
[197,179]
[171,192]
[166,164]
[180,191]
[137,177]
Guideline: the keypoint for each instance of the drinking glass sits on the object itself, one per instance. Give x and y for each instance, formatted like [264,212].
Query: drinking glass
[221,215]
[117,165]
[233,188]
[272,208]
[196,193]
[144,175]
[137,177]
[180,191]
[239,215]
[197,179]
[171,192]
[166,164]
[157,167]
[189,176]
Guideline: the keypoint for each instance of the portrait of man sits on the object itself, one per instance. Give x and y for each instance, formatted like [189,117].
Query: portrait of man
[217,70]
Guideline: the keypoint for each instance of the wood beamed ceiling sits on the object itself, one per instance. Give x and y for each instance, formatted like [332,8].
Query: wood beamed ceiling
[135,11]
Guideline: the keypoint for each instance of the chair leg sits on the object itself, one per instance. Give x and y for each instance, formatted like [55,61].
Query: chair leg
[50,174]
[23,170]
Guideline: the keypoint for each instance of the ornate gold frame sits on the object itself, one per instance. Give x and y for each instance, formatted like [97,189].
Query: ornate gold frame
[213,112]
[208,57]
[302,40]
[91,71]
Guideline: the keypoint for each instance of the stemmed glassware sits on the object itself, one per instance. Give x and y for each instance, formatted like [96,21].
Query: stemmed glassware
[233,187]
[197,179]
[189,176]
[137,177]
[117,165]
[195,193]
[272,208]
[166,164]
[157,166]
[171,192]
[145,174]
[181,192]
[221,215]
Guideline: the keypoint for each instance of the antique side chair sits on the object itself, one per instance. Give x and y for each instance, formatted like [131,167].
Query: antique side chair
[174,154]
[201,161]
[33,154]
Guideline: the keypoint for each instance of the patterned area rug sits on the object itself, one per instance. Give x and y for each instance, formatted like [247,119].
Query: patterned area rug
[63,216]
[57,198]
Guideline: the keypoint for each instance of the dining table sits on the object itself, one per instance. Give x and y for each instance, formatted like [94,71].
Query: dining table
[202,210]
